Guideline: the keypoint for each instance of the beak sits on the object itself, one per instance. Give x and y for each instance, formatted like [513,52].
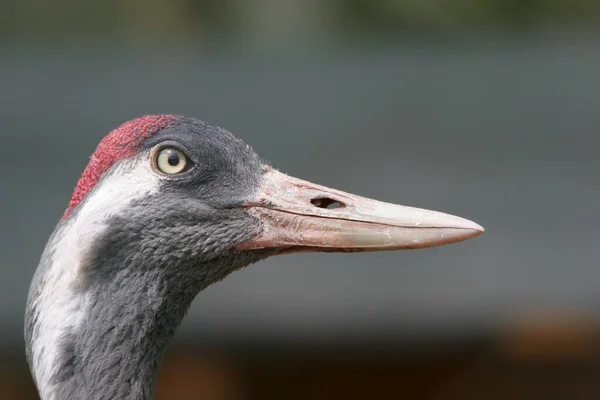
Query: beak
[299,216]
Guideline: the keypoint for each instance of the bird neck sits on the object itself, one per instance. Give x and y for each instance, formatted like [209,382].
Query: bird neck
[112,288]
[119,347]
[114,349]
[99,330]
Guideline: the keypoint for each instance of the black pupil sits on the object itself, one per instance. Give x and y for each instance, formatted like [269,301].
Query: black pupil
[173,159]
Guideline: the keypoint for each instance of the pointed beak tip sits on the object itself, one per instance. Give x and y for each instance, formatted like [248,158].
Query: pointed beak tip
[474,226]
[471,228]
[450,229]
[443,220]
[476,232]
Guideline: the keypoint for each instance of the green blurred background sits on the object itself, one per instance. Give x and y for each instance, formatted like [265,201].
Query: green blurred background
[487,109]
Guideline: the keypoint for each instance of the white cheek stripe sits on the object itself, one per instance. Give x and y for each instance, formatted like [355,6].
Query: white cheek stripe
[61,308]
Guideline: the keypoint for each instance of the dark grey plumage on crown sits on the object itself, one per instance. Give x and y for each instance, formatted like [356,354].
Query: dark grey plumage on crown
[167,206]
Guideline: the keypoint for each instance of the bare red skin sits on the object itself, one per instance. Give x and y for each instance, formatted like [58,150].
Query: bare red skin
[119,144]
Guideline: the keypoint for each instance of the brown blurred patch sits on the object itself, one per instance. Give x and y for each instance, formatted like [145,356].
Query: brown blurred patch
[192,376]
[15,380]
[552,337]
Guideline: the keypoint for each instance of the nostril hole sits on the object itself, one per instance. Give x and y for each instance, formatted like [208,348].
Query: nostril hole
[324,202]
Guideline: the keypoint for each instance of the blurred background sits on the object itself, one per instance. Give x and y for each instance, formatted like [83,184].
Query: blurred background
[488,109]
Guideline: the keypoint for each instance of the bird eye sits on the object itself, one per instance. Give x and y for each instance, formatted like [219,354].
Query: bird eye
[169,160]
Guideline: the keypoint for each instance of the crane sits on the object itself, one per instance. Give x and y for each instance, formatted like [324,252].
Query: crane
[167,206]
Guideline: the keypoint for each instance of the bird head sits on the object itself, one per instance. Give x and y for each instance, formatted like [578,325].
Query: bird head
[174,190]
